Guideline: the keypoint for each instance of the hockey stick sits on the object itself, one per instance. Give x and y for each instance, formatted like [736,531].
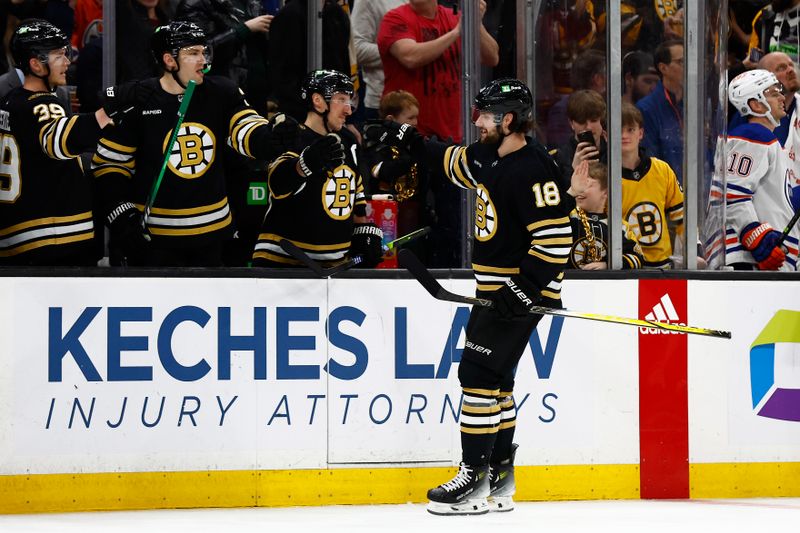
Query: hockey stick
[290,248]
[789,227]
[400,241]
[410,262]
[151,198]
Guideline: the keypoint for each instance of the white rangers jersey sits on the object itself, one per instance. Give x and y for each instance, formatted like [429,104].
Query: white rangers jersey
[759,180]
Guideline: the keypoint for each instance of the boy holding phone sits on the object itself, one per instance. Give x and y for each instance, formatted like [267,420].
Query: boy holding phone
[586,111]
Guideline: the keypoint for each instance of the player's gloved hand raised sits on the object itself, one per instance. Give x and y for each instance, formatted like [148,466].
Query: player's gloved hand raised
[120,100]
[128,236]
[366,242]
[284,131]
[391,169]
[326,153]
[392,133]
[761,240]
[515,298]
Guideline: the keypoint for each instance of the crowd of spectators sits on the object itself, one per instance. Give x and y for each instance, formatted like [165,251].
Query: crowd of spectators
[404,59]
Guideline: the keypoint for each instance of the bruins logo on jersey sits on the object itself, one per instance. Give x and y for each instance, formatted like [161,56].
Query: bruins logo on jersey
[193,151]
[485,215]
[646,222]
[339,193]
[580,251]
[665,8]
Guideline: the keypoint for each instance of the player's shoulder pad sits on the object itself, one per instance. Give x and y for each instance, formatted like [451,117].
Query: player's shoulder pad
[754,133]
[220,85]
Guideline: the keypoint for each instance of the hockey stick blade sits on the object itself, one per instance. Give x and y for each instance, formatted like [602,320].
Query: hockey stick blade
[410,262]
[290,248]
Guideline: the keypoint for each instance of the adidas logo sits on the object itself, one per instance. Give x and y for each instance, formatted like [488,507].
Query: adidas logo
[664,311]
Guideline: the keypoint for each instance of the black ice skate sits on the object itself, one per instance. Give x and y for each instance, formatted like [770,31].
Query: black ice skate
[464,494]
[502,485]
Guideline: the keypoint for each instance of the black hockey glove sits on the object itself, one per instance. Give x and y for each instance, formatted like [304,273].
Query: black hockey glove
[120,100]
[366,242]
[283,135]
[515,298]
[325,153]
[390,169]
[128,237]
[392,133]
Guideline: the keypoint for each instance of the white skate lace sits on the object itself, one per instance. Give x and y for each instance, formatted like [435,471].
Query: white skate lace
[462,479]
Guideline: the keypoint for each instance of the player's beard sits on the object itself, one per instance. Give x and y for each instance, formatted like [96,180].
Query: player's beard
[492,136]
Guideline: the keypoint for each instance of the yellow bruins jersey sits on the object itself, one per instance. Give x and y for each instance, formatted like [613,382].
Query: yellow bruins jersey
[45,199]
[316,212]
[191,206]
[521,214]
[652,201]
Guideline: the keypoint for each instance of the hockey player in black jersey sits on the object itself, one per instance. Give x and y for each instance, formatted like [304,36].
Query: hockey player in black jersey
[190,218]
[45,200]
[316,193]
[522,239]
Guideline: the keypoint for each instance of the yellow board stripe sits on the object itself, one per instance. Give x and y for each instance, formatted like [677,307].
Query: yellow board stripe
[37,493]
[744,480]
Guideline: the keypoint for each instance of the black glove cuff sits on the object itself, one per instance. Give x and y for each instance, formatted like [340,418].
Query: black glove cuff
[118,211]
[368,229]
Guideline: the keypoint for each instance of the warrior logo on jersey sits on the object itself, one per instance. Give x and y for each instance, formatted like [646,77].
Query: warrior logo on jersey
[646,223]
[485,215]
[193,151]
[339,193]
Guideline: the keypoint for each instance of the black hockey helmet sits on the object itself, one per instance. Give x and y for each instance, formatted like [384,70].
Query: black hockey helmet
[171,37]
[327,83]
[506,95]
[36,38]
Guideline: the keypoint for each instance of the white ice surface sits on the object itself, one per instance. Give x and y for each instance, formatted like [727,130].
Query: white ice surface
[707,516]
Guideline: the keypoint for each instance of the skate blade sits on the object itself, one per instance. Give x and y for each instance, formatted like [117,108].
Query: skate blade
[469,507]
[501,504]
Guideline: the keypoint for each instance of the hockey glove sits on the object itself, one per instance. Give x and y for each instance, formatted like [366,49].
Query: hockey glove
[392,133]
[515,298]
[325,153]
[390,169]
[128,237]
[762,243]
[283,135]
[120,100]
[366,242]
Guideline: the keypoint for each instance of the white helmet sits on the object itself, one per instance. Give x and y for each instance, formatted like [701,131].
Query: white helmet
[751,85]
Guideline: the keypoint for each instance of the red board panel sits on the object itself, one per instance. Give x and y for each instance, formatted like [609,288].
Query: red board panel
[663,393]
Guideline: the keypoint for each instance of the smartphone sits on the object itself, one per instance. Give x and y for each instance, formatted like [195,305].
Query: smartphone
[756,55]
[586,136]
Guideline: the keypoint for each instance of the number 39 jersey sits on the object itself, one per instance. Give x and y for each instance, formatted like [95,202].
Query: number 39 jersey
[315,212]
[45,199]
[521,214]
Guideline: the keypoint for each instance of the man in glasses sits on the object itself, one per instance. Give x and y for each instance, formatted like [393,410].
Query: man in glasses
[762,191]
[191,218]
[316,192]
[45,199]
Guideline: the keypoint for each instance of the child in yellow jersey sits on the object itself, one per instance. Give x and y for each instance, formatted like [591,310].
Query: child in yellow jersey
[652,198]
